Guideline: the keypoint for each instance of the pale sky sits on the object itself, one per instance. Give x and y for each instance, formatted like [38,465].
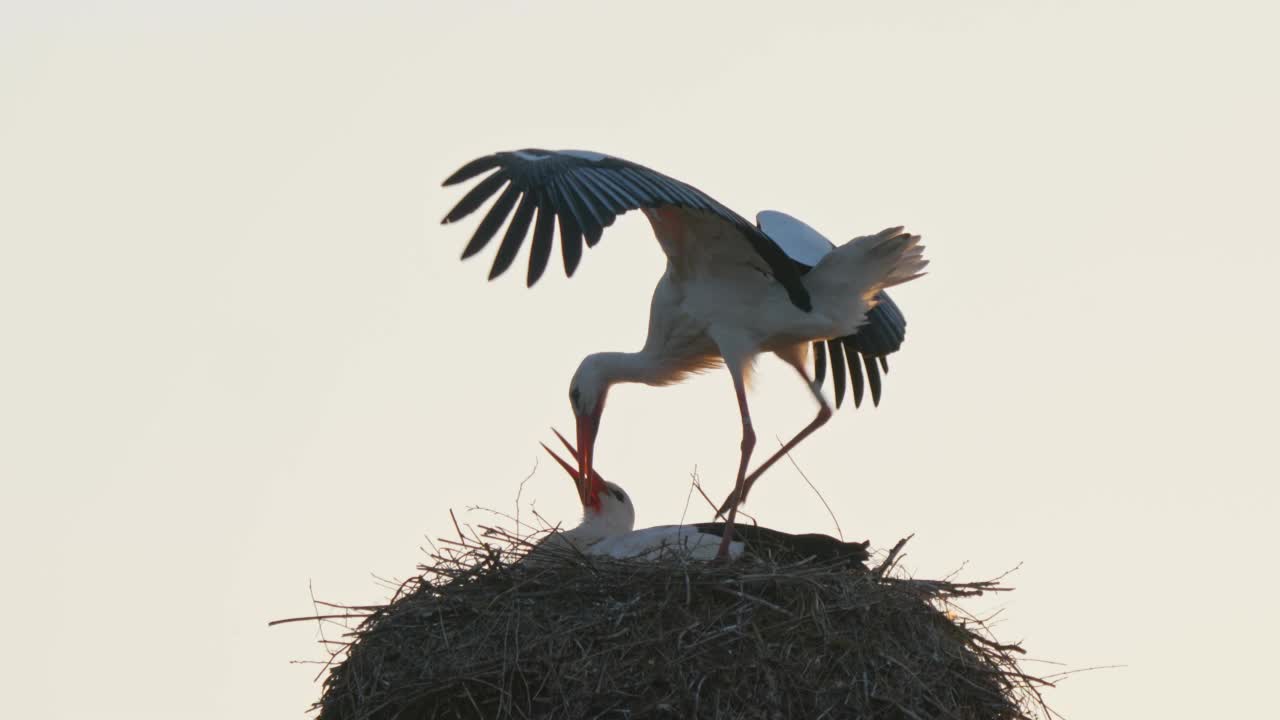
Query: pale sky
[242,357]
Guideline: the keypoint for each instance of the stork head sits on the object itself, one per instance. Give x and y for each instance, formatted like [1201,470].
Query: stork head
[616,512]
[587,393]
[606,507]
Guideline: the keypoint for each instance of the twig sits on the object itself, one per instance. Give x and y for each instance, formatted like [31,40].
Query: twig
[693,482]
[454,518]
[520,490]
[1058,676]
[754,599]
[815,490]
[309,618]
[892,557]
[697,484]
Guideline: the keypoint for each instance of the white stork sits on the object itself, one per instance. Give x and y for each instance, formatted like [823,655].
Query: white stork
[608,521]
[731,289]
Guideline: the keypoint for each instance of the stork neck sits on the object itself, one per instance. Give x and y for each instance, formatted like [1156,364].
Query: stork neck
[597,524]
[624,367]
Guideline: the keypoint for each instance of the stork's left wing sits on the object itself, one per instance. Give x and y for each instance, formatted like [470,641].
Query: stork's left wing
[867,348]
[882,334]
[585,192]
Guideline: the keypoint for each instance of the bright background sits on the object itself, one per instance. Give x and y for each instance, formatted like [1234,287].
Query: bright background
[241,356]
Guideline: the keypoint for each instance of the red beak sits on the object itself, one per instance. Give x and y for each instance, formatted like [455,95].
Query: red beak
[588,491]
[588,426]
[568,468]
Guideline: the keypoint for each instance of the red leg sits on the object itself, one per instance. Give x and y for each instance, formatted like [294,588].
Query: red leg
[824,414]
[748,444]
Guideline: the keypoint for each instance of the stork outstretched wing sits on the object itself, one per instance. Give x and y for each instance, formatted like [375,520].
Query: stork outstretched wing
[584,192]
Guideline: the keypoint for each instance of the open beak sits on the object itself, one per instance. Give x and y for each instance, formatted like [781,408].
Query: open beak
[588,491]
[573,473]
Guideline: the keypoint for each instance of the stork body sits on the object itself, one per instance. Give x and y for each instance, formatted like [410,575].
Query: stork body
[608,530]
[731,290]
[608,521]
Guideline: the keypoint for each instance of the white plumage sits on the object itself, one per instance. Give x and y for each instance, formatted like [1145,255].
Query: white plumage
[608,531]
[660,541]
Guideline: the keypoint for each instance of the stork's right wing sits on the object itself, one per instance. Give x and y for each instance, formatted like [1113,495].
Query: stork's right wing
[585,192]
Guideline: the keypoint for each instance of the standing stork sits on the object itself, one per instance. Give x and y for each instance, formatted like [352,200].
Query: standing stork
[731,289]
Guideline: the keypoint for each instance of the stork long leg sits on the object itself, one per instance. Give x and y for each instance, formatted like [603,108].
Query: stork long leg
[748,444]
[824,414]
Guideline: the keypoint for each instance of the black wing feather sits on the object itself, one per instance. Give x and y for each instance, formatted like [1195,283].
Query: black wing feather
[837,368]
[565,200]
[492,221]
[855,371]
[873,378]
[570,243]
[476,197]
[589,217]
[652,193]
[609,207]
[885,329]
[586,192]
[882,335]
[621,198]
[514,237]
[819,364]
[543,238]
[472,169]
[589,211]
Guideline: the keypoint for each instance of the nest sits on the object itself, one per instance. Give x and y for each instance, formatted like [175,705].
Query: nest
[480,634]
